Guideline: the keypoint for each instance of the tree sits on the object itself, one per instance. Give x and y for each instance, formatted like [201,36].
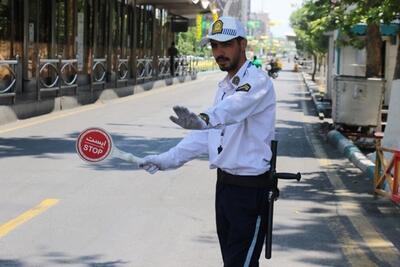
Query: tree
[310,25]
[343,15]
[373,13]
[188,45]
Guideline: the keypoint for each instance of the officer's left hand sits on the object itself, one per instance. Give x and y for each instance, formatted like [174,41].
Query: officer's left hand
[187,119]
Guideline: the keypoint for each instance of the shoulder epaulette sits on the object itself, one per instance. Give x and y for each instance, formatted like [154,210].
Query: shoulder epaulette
[245,87]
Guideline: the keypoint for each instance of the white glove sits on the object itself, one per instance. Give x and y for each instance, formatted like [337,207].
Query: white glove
[187,119]
[150,168]
[153,163]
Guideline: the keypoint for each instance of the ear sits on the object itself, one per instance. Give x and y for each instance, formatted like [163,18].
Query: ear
[243,44]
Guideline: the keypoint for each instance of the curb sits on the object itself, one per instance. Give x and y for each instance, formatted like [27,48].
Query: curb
[346,147]
[322,107]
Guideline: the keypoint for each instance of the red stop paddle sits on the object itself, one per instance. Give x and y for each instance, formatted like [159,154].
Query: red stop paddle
[95,144]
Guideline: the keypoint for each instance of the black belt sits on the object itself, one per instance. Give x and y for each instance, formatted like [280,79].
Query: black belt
[256,181]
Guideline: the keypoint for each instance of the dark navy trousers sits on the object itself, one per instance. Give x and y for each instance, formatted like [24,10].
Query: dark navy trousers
[240,218]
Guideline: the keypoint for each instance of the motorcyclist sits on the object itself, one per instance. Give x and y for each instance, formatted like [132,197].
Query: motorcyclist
[272,68]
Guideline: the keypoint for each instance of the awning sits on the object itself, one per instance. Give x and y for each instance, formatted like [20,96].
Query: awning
[386,29]
[186,8]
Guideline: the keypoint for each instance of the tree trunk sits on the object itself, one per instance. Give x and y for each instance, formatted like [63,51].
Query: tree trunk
[374,54]
[321,59]
[315,66]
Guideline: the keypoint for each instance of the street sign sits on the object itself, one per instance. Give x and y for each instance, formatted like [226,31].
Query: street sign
[94,144]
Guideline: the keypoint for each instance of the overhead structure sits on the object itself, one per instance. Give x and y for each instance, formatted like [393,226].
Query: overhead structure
[186,8]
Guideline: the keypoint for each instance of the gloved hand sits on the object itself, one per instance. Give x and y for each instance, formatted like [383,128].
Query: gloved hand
[150,168]
[153,163]
[187,119]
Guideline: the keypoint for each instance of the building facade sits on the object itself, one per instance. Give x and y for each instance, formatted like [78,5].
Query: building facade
[48,45]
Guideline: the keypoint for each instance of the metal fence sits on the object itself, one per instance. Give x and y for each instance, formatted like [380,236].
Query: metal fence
[144,69]
[98,73]
[10,78]
[54,75]
[164,67]
[58,76]
[122,71]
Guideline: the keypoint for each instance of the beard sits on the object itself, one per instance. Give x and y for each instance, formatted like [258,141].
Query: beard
[228,64]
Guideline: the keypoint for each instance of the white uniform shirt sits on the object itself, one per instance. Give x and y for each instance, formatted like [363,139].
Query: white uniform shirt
[242,122]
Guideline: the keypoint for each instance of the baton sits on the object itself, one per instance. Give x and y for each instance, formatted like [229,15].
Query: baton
[273,195]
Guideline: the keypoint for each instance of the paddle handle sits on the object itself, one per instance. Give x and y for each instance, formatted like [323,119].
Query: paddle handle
[117,153]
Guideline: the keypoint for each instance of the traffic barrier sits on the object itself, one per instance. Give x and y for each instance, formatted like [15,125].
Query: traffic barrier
[387,172]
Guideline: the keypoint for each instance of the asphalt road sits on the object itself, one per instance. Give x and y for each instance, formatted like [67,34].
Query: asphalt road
[56,210]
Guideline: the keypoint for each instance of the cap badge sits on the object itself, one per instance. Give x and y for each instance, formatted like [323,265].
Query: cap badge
[217,27]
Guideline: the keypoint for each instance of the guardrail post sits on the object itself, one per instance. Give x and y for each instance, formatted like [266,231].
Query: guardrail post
[18,86]
[38,77]
[91,73]
[59,66]
[117,72]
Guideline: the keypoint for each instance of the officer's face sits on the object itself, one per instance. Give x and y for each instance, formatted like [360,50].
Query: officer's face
[228,54]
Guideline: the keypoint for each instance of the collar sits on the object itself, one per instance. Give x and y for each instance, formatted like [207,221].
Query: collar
[236,79]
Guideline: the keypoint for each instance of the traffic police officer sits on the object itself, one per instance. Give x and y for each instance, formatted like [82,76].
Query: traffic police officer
[235,132]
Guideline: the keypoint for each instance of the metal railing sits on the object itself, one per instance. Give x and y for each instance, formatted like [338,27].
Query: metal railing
[163,67]
[98,73]
[206,64]
[56,75]
[193,66]
[10,77]
[144,69]
[181,66]
[122,71]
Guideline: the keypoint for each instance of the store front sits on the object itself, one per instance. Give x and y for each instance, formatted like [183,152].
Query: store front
[68,43]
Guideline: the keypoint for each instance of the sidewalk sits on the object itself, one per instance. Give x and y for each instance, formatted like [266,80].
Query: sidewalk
[365,225]
[339,141]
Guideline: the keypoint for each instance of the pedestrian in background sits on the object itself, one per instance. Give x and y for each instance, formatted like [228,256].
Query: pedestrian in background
[172,53]
[236,133]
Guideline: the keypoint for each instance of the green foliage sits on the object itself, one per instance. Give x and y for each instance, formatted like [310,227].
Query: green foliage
[188,45]
[310,23]
[348,13]
[318,16]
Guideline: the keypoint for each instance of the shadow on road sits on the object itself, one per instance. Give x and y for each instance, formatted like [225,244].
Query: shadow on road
[87,260]
[11,263]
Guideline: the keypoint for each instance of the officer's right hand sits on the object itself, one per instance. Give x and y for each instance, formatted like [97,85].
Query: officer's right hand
[150,168]
[152,164]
